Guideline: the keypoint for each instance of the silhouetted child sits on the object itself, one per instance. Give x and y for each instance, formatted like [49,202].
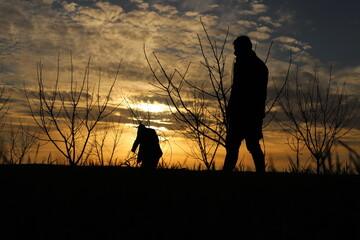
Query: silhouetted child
[149,150]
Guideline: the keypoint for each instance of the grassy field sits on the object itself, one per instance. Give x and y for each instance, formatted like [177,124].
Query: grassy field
[62,202]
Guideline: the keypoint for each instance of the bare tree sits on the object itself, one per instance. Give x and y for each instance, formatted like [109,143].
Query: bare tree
[296,146]
[17,143]
[103,154]
[192,105]
[68,119]
[4,108]
[354,156]
[316,115]
[4,105]
[201,147]
[200,110]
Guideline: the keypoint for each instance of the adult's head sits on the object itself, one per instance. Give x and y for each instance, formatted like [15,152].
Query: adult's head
[242,44]
[141,127]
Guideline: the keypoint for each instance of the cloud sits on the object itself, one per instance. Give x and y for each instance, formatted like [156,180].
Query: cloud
[264,29]
[258,35]
[191,14]
[256,7]
[291,44]
[200,6]
[247,24]
[348,75]
[290,40]
[286,16]
[165,9]
[111,32]
[137,1]
[268,20]
[98,14]
[70,7]
[14,20]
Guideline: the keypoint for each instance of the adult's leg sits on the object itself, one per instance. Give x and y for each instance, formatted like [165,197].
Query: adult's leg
[145,164]
[150,163]
[154,162]
[233,142]
[253,145]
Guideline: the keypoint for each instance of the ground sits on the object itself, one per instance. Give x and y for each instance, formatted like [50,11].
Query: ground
[63,202]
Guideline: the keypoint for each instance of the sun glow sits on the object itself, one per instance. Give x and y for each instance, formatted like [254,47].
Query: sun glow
[151,107]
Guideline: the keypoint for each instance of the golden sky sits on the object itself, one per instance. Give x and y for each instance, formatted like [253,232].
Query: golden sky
[116,31]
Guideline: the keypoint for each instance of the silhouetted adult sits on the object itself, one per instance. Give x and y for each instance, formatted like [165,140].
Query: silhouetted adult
[246,107]
[149,150]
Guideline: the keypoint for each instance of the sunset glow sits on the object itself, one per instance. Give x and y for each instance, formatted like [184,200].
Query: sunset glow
[180,119]
[109,32]
[151,107]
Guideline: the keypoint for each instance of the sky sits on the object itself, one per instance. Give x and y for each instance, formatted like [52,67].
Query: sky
[318,33]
